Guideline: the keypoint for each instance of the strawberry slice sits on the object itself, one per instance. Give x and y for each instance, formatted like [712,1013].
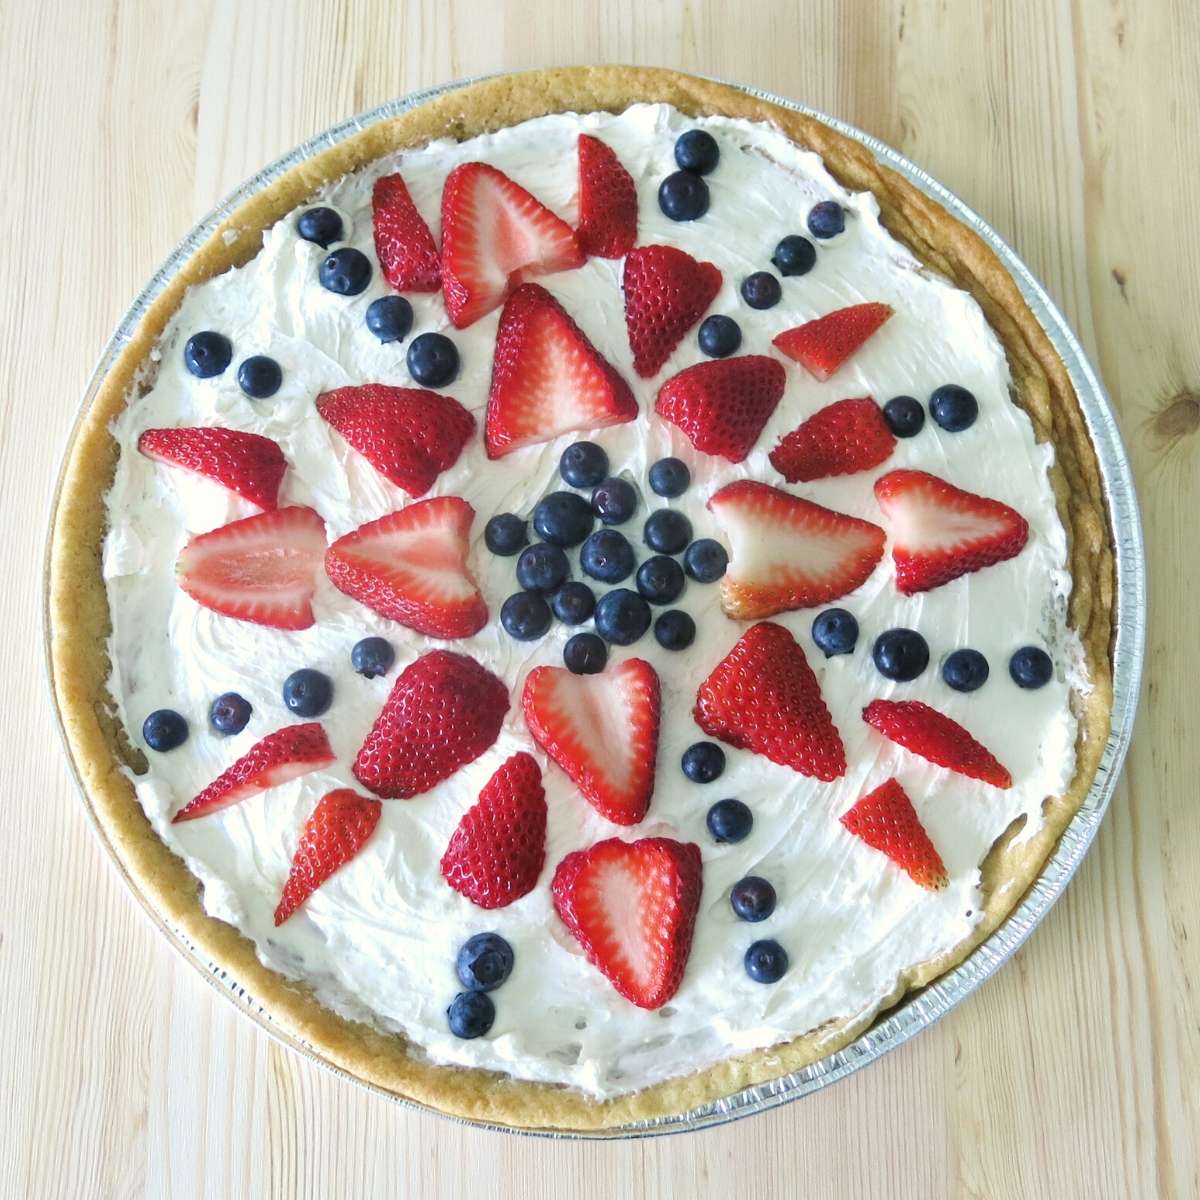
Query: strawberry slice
[411,567]
[281,756]
[338,829]
[547,378]
[839,439]
[723,405]
[632,907]
[497,852]
[666,293]
[495,235]
[602,730]
[763,696]
[444,711]
[260,569]
[787,552]
[249,465]
[940,532]
[886,820]
[409,435]
[821,346]
[403,244]
[607,201]
[934,736]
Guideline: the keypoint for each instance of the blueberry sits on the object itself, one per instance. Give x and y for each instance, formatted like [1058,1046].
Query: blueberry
[583,464]
[345,272]
[835,631]
[229,713]
[795,255]
[683,196]
[719,336]
[675,630]
[622,617]
[525,616]
[752,898]
[696,151]
[607,555]
[585,654]
[705,560]
[1031,667]
[953,407]
[729,821]
[827,219]
[761,290]
[164,729]
[259,376]
[563,518]
[702,762]
[372,656]
[766,961]
[904,415]
[900,654]
[505,534]
[660,579]
[307,693]
[432,360]
[965,670]
[669,477]
[471,1014]
[614,501]
[207,354]
[390,318]
[320,225]
[667,531]
[542,568]
[573,603]
[484,962]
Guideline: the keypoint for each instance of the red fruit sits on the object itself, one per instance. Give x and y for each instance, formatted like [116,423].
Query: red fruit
[407,256]
[495,235]
[607,201]
[497,852]
[408,435]
[261,569]
[337,830]
[940,532]
[547,378]
[788,553]
[886,820]
[723,405]
[821,346]
[632,907]
[666,293]
[286,754]
[763,696]
[934,736]
[602,730]
[444,711]
[839,439]
[247,464]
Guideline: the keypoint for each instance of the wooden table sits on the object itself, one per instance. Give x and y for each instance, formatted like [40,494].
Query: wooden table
[1074,127]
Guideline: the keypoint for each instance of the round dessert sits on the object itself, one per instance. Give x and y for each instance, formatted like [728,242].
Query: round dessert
[438,819]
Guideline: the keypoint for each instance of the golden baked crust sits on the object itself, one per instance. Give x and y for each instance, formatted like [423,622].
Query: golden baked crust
[78,615]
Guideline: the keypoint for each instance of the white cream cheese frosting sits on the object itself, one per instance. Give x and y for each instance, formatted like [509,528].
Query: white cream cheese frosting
[377,941]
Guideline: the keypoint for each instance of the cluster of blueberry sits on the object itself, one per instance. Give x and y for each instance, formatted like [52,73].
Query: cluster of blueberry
[207,354]
[951,405]
[683,195]
[483,964]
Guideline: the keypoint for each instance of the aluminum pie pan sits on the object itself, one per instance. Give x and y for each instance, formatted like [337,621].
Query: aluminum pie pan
[920,1009]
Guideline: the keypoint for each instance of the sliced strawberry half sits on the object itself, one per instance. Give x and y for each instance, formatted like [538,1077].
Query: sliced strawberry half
[495,235]
[403,244]
[632,907]
[338,829]
[934,736]
[547,378]
[607,201]
[666,293]
[499,848]
[886,820]
[788,553]
[839,439]
[821,346]
[411,567]
[281,756]
[763,696]
[940,532]
[409,435]
[602,730]
[260,569]
[443,712]
[249,465]
[723,405]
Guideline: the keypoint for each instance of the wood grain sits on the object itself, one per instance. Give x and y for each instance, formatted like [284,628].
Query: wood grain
[1074,127]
